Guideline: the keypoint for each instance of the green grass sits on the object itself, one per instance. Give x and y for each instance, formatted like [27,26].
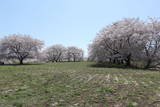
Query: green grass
[77,85]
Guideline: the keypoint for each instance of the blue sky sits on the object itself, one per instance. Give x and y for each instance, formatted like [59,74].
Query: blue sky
[69,22]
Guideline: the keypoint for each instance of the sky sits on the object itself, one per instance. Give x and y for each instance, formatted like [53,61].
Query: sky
[69,22]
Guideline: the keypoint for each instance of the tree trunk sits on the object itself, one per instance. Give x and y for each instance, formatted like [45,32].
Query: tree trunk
[121,61]
[74,59]
[21,61]
[128,60]
[114,60]
[148,64]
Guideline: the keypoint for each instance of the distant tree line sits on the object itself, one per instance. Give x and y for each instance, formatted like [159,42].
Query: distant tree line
[130,41]
[18,47]
[58,53]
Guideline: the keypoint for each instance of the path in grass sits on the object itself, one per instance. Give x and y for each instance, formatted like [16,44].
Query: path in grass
[77,85]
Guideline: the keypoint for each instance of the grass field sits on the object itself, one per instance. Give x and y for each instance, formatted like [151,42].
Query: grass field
[77,85]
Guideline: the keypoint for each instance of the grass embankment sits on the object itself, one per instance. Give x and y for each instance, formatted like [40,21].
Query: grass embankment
[78,85]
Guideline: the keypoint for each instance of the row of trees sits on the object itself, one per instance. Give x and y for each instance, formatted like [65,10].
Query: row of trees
[22,48]
[128,41]
[58,53]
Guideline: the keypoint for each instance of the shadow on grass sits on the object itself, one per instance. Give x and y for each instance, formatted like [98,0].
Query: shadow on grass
[122,66]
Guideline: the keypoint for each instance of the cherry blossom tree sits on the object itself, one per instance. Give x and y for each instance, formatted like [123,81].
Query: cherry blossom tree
[126,41]
[55,53]
[151,39]
[20,47]
[74,54]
